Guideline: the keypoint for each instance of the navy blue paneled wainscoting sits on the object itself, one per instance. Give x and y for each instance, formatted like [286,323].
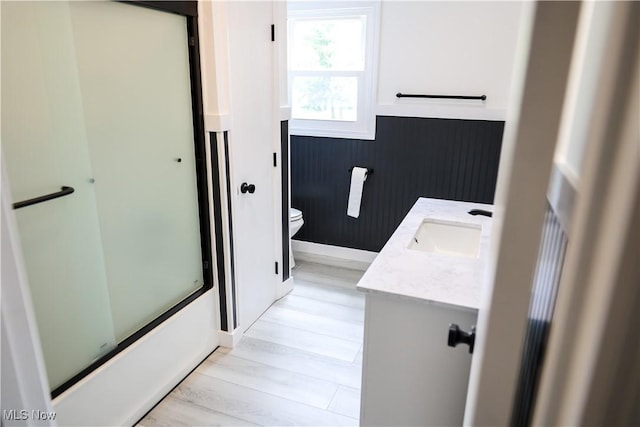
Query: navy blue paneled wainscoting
[412,157]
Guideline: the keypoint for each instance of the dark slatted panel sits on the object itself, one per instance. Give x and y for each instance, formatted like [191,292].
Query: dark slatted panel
[284,170]
[217,224]
[544,290]
[230,219]
[411,157]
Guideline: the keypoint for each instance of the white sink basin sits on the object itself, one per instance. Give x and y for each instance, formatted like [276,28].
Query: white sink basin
[449,238]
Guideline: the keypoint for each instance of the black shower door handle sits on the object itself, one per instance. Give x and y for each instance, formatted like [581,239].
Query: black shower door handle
[64,191]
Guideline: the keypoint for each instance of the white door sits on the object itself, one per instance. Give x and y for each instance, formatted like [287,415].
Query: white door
[564,95]
[251,140]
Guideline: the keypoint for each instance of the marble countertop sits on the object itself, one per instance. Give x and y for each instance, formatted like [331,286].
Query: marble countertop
[426,276]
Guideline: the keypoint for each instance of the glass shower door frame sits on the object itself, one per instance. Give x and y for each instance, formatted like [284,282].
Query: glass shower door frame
[188,9]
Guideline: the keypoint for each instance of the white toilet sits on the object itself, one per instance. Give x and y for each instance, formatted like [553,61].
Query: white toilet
[295,222]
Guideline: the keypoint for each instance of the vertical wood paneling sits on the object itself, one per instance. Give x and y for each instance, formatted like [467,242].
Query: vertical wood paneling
[544,290]
[412,157]
[284,175]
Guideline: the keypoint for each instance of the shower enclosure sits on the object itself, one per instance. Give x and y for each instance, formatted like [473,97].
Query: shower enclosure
[104,150]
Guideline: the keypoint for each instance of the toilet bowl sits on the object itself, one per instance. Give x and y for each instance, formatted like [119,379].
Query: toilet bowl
[295,222]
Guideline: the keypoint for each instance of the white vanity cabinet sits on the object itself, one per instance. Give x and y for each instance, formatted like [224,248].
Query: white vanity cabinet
[411,377]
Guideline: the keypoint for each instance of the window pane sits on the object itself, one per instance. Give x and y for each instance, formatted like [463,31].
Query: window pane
[325,98]
[327,44]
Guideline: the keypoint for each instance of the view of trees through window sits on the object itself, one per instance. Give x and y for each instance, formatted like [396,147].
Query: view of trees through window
[326,63]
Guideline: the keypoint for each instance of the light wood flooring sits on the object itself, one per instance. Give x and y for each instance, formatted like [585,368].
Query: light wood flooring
[299,364]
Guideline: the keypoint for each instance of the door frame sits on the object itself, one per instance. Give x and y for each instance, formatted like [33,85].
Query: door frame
[591,370]
[281,140]
[533,123]
[591,373]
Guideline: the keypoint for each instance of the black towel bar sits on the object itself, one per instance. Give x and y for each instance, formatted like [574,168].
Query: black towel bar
[408,95]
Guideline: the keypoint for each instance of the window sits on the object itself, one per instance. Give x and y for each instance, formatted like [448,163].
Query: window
[332,63]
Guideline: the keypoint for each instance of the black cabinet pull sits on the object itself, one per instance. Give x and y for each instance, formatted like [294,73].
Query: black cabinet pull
[64,191]
[458,336]
[475,212]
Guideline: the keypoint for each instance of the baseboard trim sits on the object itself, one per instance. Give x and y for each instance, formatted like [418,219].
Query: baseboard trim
[356,259]
[230,339]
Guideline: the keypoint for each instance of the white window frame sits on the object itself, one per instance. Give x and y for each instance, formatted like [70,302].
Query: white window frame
[364,126]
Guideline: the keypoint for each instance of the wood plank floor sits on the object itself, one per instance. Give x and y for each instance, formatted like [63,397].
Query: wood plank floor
[298,365]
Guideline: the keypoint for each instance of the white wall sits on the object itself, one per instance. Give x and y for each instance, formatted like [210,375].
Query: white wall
[463,48]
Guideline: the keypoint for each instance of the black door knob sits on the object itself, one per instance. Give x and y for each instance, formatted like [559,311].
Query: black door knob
[250,188]
[458,336]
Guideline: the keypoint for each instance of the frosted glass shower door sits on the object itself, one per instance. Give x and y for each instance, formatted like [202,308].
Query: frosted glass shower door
[44,143]
[134,73]
[97,96]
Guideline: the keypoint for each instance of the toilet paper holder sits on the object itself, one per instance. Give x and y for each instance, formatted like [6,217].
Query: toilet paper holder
[369,171]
